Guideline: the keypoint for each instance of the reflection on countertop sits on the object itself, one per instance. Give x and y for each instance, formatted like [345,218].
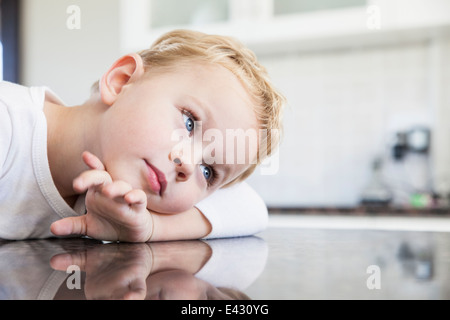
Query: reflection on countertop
[89,269]
[312,263]
[290,262]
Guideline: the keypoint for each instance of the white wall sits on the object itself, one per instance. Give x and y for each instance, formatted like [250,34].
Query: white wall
[349,89]
[344,107]
[68,60]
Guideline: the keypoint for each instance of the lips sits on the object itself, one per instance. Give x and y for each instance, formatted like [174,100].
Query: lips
[156,179]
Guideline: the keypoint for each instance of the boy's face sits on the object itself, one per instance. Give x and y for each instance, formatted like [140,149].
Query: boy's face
[167,134]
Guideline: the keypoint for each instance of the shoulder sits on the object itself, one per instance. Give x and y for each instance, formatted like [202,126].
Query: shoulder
[11,91]
[5,134]
[21,97]
[20,106]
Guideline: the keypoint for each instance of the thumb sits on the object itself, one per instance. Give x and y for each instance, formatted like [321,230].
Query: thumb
[63,261]
[69,226]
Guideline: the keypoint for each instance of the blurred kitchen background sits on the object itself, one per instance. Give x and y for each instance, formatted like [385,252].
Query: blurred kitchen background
[368,119]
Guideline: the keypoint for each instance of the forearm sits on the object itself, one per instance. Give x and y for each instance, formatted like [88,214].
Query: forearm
[188,225]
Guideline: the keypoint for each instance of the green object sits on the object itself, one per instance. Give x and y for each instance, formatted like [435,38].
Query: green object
[420,200]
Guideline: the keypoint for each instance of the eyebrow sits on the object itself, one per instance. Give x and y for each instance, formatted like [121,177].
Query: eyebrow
[206,111]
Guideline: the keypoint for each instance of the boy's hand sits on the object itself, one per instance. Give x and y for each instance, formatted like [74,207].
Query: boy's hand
[115,211]
[112,271]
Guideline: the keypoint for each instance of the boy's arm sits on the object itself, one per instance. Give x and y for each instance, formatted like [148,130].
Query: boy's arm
[231,212]
[188,225]
[117,212]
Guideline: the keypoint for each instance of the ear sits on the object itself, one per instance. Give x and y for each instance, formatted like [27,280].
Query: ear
[124,71]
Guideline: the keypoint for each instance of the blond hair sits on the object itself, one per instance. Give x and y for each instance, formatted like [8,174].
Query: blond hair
[186,45]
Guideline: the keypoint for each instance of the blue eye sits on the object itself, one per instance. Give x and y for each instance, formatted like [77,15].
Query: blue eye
[207,172]
[188,122]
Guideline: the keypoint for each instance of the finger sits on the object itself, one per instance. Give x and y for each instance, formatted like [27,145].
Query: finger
[136,197]
[121,209]
[138,290]
[116,189]
[92,161]
[89,179]
[69,226]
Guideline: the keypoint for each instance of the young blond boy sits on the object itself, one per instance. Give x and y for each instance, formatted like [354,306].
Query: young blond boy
[137,176]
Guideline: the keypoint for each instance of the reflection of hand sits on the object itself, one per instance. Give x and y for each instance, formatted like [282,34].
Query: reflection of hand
[115,211]
[161,270]
[113,271]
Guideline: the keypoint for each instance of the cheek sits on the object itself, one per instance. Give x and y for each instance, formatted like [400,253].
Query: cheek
[182,197]
[182,200]
[142,129]
[156,130]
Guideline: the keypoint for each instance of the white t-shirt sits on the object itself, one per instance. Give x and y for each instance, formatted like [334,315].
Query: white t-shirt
[30,202]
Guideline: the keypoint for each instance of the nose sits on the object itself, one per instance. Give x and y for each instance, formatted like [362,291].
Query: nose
[184,167]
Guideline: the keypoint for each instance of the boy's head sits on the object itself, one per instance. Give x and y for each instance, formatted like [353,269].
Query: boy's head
[197,110]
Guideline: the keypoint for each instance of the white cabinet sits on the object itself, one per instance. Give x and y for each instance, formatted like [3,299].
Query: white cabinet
[258,23]
[280,26]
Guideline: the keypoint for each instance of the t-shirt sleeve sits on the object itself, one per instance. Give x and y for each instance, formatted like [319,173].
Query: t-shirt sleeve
[5,135]
[234,212]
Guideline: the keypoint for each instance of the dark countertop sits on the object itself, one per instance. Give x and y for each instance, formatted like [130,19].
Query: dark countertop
[279,263]
[364,210]
[350,264]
